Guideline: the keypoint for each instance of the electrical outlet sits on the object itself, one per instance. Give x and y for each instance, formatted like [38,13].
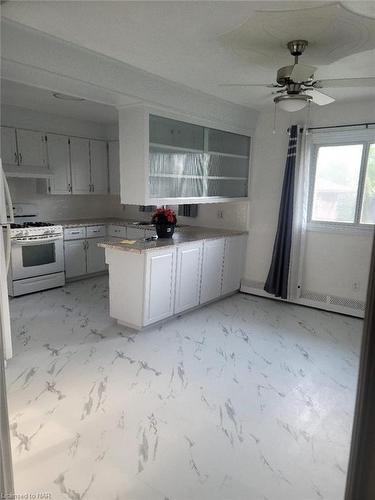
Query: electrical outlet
[356,285]
[220,214]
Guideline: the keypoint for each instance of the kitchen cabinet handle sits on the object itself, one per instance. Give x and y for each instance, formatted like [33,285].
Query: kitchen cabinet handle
[15,157]
[20,157]
[93,188]
[75,232]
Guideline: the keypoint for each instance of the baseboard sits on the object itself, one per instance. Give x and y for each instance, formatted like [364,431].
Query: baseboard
[331,303]
[86,276]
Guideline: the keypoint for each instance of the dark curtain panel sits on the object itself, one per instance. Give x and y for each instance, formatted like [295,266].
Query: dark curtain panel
[277,279]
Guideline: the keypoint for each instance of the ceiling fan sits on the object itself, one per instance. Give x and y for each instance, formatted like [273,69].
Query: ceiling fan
[297,86]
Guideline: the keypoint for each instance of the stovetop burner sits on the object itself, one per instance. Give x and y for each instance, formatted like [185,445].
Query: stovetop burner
[31,224]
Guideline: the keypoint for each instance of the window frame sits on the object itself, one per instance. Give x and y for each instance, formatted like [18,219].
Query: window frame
[344,138]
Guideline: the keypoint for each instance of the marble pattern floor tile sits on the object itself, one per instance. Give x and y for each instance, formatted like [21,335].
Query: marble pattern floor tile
[244,399]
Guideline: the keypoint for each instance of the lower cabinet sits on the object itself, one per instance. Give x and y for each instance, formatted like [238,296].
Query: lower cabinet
[81,251]
[117,231]
[160,283]
[234,256]
[188,276]
[147,287]
[75,258]
[95,256]
[212,269]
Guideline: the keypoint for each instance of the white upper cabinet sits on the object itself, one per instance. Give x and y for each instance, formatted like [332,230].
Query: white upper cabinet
[99,167]
[168,161]
[114,167]
[212,269]
[167,132]
[59,163]
[188,276]
[31,148]
[9,154]
[80,165]
[23,148]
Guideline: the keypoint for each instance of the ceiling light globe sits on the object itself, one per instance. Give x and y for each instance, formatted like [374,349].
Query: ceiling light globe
[292,105]
[292,102]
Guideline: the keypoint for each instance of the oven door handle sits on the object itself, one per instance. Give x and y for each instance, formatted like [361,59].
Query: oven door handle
[28,242]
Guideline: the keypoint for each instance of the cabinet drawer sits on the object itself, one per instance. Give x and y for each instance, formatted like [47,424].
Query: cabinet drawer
[95,231]
[74,233]
[117,231]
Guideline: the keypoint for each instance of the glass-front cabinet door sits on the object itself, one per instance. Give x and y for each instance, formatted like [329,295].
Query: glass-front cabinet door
[191,161]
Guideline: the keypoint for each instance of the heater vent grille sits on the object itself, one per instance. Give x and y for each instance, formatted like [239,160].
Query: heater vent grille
[315,296]
[352,303]
[356,304]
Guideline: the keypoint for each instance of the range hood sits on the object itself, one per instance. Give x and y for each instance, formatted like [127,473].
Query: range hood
[27,172]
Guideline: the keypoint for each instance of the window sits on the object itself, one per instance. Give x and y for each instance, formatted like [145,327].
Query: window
[368,204]
[343,184]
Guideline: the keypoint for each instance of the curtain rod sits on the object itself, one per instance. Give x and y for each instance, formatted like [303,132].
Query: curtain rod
[336,126]
[343,126]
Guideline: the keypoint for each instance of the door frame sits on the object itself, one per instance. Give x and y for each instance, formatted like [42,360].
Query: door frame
[360,479]
[6,466]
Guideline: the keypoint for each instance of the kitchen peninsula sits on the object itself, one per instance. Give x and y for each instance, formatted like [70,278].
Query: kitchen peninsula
[150,281]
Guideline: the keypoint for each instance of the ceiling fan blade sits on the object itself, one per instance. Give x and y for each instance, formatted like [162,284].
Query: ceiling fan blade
[345,82]
[302,72]
[320,98]
[269,85]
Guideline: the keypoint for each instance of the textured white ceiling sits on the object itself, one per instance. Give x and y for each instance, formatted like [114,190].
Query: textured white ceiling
[332,31]
[185,41]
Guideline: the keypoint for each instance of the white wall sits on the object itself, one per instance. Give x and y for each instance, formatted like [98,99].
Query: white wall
[58,207]
[333,262]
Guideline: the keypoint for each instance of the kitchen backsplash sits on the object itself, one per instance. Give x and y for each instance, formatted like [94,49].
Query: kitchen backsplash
[56,207]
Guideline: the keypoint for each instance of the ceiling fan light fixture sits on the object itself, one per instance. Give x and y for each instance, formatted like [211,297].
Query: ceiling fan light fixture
[292,102]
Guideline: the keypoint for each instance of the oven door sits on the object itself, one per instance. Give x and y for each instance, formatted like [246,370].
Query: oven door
[31,258]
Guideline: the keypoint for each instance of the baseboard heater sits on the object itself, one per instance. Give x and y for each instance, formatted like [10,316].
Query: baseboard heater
[334,303]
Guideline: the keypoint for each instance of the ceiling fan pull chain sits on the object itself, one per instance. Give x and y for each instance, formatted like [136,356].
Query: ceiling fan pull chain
[307,118]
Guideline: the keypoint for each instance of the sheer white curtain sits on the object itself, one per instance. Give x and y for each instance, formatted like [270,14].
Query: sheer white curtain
[300,215]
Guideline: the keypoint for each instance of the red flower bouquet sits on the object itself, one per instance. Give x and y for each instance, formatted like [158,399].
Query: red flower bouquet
[164,216]
[165,221]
